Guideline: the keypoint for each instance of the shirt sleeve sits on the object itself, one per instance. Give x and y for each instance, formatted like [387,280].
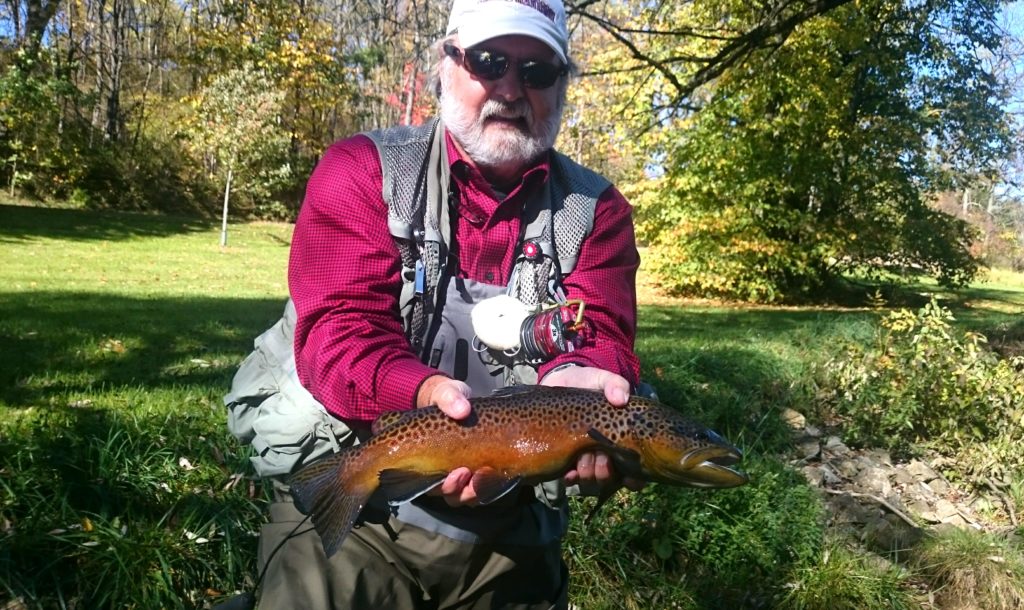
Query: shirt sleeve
[344,278]
[605,280]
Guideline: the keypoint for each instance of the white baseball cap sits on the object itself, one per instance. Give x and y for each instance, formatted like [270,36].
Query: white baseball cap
[478,20]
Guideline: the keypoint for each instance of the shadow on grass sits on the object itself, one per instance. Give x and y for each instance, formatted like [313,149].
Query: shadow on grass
[100,513]
[60,345]
[19,223]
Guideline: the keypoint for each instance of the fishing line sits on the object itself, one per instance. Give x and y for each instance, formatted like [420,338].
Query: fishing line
[247,600]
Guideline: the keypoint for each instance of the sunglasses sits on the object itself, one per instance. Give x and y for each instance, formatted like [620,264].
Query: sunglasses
[491,65]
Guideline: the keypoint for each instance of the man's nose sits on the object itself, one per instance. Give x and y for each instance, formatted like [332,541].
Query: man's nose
[508,87]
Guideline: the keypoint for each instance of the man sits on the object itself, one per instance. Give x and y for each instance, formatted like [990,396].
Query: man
[512,217]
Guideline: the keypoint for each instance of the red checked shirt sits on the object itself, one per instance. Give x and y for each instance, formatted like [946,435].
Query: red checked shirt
[343,274]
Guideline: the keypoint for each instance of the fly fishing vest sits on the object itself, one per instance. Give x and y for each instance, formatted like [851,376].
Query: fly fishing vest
[286,426]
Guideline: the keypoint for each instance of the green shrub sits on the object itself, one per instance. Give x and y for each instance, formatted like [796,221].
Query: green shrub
[924,385]
[668,547]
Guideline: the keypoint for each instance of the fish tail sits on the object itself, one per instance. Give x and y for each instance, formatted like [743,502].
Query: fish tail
[328,492]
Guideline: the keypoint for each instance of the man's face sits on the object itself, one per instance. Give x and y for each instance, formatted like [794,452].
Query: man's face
[501,124]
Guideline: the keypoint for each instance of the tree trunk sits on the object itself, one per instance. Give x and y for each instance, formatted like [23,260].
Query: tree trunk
[224,219]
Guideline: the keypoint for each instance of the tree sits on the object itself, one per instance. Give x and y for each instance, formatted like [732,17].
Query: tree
[235,130]
[816,156]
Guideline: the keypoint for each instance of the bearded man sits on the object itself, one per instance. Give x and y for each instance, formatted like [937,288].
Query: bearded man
[401,233]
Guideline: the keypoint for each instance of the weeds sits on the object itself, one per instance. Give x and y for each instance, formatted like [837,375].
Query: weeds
[973,570]
[924,384]
[845,579]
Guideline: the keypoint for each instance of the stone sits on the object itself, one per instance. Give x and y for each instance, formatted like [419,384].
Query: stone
[879,456]
[902,477]
[875,481]
[848,468]
[944,509]
[890,533]
[815,475]
[955,520]
[835,446]
[939,486]
[808,449]
[830,476]
[921,471]
[793,419]
[812,430]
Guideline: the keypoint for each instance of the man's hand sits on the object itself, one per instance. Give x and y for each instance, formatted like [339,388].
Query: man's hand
[594,470]
[615,387]
[449,395]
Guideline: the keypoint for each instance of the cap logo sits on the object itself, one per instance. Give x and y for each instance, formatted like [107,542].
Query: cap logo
[538,5]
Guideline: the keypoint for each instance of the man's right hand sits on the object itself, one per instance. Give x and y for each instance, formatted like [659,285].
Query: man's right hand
[449,395]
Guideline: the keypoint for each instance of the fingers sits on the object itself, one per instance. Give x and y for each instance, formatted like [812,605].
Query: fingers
[453,399]
[449,395]
[616,387]
[457,489]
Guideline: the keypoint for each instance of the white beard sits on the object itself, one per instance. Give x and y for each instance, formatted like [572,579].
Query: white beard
[494,144]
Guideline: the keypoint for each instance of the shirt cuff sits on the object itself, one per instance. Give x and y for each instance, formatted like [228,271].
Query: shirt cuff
[398,384]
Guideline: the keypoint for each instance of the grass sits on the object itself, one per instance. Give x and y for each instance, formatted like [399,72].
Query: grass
[120,486]
[974,570]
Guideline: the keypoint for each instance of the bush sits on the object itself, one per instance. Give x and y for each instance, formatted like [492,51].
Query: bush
[923,385]
[667,547]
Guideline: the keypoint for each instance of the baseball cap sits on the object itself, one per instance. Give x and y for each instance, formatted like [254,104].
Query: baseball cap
[478,20]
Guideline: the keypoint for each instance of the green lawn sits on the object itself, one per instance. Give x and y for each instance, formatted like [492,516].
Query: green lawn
[119,484]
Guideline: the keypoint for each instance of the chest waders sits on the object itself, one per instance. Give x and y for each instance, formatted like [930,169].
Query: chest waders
[288,428]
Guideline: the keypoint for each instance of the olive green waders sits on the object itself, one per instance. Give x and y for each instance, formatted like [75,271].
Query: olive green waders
[397,566]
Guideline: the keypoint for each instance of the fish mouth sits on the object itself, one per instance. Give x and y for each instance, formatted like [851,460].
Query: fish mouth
[711,467]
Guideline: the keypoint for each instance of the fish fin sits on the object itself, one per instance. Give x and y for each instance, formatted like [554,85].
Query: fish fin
[332,499]
[626,460]
[516,390]
[616,450]
[385,420]
[491,485]
[607,492]
[401,485]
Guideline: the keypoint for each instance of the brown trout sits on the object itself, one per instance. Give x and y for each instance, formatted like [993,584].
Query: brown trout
[521,436]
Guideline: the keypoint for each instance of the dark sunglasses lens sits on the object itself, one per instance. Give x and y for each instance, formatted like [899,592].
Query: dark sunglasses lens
[488,65]
[538,74]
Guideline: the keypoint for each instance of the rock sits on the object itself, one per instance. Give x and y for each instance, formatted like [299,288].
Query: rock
[815,475]
[902,477]
[921,471]
[845,509]
[813,431]
[808,449]
[793,419]
[830,476]
[939,486]
[890,533]
[835,446]
[875,481]
[944,509]
[848,468]
[955,520]
[879,456]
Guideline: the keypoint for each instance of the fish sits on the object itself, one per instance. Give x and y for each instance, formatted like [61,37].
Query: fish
[518,436]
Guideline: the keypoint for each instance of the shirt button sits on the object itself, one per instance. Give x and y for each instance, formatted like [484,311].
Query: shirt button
[489,276]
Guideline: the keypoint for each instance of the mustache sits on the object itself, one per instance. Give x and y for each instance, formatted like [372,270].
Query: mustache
[518,109]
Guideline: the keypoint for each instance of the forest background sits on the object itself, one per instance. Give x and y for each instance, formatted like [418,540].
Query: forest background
[770,148]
